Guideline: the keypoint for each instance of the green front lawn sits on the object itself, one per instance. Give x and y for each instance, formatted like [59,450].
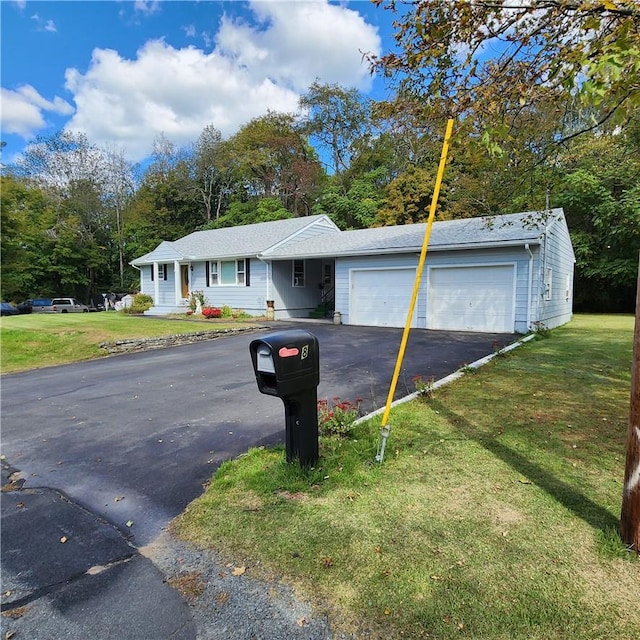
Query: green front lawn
[493,516]
[44,339]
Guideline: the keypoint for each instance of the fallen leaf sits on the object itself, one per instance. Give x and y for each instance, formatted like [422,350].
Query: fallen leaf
[118,498]
[63,539]
[9,635]
[129,523]
[20,505]
[524,481]
[238,571]
[301,622]
[327,562]
[378,549]
[387,612]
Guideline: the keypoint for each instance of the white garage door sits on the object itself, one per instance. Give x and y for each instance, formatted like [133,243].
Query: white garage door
[381,297]
[471,298]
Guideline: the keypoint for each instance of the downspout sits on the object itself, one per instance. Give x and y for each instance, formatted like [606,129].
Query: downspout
[530,287]
[268,300]
[140,270]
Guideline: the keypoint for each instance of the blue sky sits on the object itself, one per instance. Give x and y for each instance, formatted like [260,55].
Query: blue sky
[124,72]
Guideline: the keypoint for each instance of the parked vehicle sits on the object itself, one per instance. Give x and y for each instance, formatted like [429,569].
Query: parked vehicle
[35,305]
[97,303]
[68,305]
[7,309]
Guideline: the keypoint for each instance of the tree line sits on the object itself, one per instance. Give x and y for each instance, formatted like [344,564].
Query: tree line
[74,215]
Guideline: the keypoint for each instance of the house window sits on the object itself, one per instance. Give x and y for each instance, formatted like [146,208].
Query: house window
[227,272]
[162,272]
[548,275]
[240,272]
[298,273]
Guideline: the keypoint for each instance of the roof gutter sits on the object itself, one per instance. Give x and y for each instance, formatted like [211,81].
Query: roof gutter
[408,249]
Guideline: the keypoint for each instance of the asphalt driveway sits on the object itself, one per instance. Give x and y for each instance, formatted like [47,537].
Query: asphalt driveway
[99,456]
[134,437]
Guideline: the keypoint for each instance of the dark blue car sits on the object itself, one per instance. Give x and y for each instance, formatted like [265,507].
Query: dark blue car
[7,309]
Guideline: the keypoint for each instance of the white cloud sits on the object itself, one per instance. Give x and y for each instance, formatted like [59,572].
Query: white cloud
[146,7]
[189,31]
[23,110]
[253,67]
[43,24]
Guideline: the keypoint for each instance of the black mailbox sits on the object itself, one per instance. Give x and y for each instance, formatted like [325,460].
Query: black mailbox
[286,365]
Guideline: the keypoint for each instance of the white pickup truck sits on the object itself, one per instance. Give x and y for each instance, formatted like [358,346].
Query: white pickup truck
[68,305]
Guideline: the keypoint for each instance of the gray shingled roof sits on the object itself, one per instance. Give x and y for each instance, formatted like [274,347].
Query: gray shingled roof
[264,238]
[516,228]
[230,242]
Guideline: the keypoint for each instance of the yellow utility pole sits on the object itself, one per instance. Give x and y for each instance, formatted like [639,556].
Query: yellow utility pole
[384,434]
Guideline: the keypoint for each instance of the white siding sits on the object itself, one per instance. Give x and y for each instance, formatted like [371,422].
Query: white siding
[295,302]
[146,284]
[558,257]
[251,299]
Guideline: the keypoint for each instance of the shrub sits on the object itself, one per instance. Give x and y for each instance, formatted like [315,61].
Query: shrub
[227,312]
[141,302]
[211,312]
[337,419]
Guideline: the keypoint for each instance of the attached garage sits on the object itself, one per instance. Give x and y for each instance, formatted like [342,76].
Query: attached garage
[472,298]
[498,274]
[381,297]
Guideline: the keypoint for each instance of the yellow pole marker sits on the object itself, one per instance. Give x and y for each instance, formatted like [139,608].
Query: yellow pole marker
[416,286]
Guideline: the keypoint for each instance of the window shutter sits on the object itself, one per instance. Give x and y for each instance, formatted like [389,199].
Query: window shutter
[247,265]
[206,270]
[165,272]
[153,268]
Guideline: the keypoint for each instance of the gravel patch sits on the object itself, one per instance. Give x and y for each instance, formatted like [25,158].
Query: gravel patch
[227,602]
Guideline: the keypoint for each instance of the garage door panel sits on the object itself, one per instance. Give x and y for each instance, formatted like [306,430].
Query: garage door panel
[471,298]
[381,297]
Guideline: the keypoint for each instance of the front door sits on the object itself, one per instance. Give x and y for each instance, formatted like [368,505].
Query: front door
[184,278]
[328,287]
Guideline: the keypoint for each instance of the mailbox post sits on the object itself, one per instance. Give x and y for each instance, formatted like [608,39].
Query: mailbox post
[286,365]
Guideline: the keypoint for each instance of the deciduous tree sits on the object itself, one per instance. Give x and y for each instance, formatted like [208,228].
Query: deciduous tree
[479,56]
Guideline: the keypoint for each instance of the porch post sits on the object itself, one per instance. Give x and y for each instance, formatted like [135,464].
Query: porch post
[156,284]
[177,281]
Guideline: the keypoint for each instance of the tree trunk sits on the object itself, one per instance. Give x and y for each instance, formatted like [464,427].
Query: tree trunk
[630,515]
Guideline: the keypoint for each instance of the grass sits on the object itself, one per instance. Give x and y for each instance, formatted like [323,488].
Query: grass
[42,339]
[493,516]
